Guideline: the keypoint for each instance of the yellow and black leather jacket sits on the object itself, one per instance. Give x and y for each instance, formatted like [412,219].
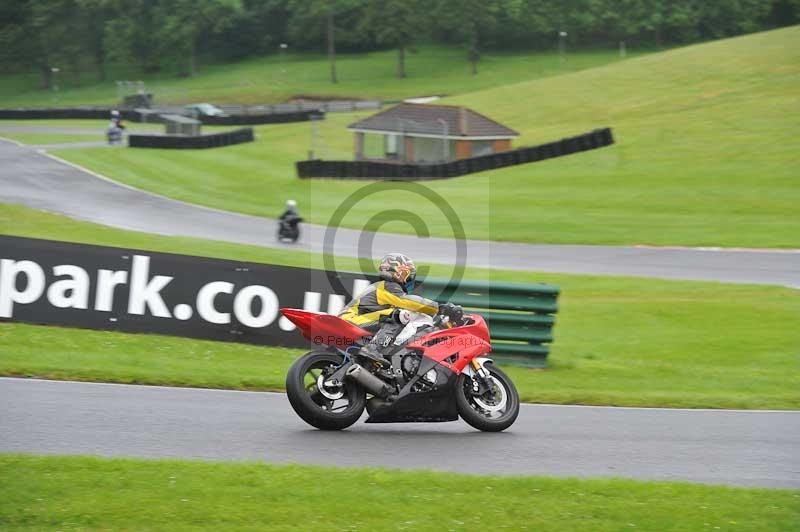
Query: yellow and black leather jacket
[379,300]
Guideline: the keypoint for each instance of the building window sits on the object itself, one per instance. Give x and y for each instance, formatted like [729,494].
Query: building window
[392,146]
[373,146]
[482,147]
[431,150]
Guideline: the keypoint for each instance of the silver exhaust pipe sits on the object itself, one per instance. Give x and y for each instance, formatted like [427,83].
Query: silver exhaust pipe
[369,381]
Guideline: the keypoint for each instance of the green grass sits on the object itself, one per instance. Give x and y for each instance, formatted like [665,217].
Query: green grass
[707,155]
[84,130]
[619,341]
[64,131]
[98,356]
[80,130]
[124,494]
[50,138]
[434,70]
[89,125]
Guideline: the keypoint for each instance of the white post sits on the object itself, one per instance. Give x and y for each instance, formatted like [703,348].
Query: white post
[314,135]
[55,71]
[283,46]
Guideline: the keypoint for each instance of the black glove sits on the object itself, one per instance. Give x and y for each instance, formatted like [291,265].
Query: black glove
[454,312]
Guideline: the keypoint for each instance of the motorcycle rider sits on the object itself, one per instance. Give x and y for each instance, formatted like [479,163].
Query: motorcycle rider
[289,221]
[115,128]
[386,306]
[291,210]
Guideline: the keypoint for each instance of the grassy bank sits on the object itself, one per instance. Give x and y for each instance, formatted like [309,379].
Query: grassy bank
[707,155]
[619,341]
[433,70]
[99,494]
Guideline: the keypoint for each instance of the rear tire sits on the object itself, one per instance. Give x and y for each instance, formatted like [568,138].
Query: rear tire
[315,408]
[479,411]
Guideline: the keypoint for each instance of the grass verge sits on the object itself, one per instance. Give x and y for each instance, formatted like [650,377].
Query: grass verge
[80,126]
[50,138]
[619,341]
[61,131]
[101,494]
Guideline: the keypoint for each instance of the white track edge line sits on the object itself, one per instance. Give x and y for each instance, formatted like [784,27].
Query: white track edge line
[12,141]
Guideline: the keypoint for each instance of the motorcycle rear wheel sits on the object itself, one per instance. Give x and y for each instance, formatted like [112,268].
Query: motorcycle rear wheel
[288,234]
[319,406]
[489,413]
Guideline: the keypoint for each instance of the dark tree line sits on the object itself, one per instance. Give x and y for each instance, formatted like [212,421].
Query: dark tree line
[82,37]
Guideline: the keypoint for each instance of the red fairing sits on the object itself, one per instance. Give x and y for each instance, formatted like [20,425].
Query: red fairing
[323,328]
[459,344]
[477,328]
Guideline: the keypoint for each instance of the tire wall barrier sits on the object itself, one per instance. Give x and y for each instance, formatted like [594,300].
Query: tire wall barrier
[179,142]
[150,115]
[121,289]
[413,172]
[74,113]
[255,119]
[330,106]
[520,316]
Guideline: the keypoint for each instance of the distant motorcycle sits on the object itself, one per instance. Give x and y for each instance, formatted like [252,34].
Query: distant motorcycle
[438,373]
[289,228]
[114,135]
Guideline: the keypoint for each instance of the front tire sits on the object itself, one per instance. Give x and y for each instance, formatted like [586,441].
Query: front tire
[489,412]
[319,406]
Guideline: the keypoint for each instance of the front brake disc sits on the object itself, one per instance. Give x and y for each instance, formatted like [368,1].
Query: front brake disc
[495,405]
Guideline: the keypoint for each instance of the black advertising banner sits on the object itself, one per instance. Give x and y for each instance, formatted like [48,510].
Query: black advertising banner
[97,287]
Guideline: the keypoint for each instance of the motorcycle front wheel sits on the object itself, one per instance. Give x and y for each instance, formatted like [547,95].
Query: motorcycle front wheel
[321,406]
[492,411]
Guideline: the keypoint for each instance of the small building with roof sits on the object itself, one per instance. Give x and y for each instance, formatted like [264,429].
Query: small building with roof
[423,133]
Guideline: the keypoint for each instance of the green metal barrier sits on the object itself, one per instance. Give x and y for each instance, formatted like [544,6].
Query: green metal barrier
[520,316]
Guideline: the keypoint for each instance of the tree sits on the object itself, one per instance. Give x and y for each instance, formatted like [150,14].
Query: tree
[154,33]
[397,23]
[93,16]
[468,21]
[72,36]
[719,20]
[185,22]
[306,13]
[618,21]
[258,28]
[525,23]
[67,35]
[783,13]
[17,49]
[133,37]
[41,35]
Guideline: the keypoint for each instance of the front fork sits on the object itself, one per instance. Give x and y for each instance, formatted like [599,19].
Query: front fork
[481,378]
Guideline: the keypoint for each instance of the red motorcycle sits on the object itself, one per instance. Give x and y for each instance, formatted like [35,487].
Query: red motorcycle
[440,373]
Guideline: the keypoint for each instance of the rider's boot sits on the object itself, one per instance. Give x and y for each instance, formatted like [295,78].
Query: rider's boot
[370,352]
[380,343]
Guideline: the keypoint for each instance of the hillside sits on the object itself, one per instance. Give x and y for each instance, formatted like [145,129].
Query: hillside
[432,70]
[707,154]
[708,147]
